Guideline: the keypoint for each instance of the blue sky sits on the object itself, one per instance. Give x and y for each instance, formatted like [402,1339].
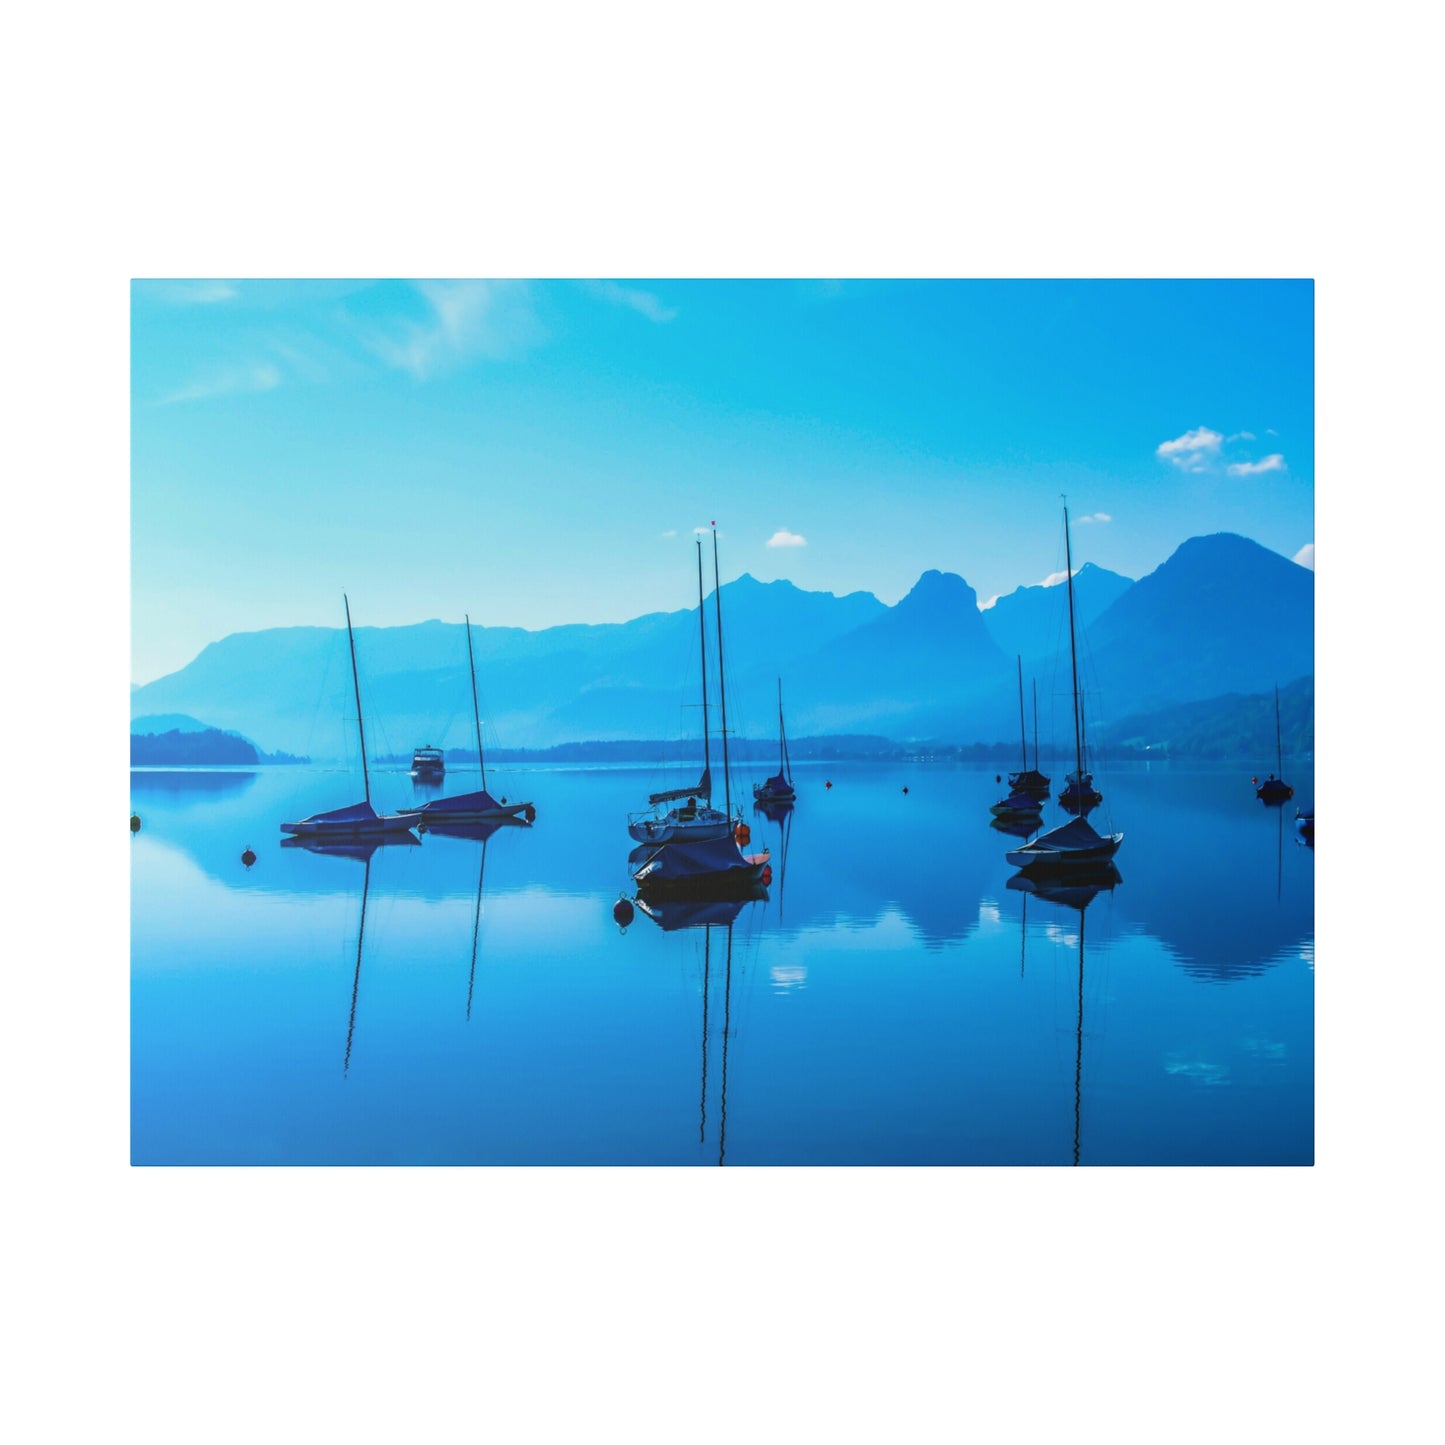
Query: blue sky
[539,452]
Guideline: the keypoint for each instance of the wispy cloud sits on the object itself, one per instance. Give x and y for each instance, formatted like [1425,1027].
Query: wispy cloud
[229,381]
[189,293]
[1193,451]
[671,532]
[784,538]
[633,297]
[468,320]
[1240,436]
[1272,463]
[1054,578]
[1095,517]
[1306,556]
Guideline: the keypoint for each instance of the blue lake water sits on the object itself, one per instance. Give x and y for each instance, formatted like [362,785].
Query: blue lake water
[891,1001]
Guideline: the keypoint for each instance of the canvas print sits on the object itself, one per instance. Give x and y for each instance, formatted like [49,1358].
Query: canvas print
[722,722]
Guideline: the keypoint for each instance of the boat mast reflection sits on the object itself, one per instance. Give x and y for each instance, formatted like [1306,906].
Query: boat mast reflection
[358,852]
[674,914]
[1077,894]
[477,832]
[782,815]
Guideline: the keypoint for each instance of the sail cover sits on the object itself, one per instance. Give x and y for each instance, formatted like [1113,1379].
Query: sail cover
[358,814]
[688,862]
[480,802]
[703,790]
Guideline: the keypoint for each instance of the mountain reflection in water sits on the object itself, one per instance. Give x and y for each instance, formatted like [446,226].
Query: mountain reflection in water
[893,997]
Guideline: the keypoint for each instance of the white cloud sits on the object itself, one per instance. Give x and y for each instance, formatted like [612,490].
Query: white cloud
[230,381]
[784,538]
[1096,517]
[1054,578]
[643,302]
[1306,556]
[671,532]
[189,293]
[1272,463]
[1193,451]
[1241,436]
[469,319]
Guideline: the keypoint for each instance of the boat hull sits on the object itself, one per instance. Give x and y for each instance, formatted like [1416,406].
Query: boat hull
[1063,860]
[359,821]
[670,829]
[717,868]
[478,807]
[770,796]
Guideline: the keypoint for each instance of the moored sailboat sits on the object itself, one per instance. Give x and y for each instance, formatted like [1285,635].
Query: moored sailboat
[360,820]
[1028,779]
[673,862]
[694,819]
[475,807]
[1274,789]
[1024,801]
[777,790]
[1075,845]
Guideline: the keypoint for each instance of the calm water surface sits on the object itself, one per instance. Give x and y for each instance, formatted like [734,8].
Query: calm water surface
[891,1001]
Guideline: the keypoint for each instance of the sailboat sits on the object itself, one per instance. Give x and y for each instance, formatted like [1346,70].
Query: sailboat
[713,865]
[1028,779]
[1274,789]
[1075,845]
[1025,800]
[696,820]
[476,807]
[360,820]
[1079,794]
[779,788]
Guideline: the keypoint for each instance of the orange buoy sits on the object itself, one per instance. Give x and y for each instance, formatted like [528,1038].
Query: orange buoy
[742,833]
[828,784]
[248,857]
[622,913]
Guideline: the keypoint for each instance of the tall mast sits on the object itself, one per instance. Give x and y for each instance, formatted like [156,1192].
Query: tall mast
[356,687]
[702,639]
[1035,682]
[1023,738]
[476,711]
[782,746]
[721,680]
[1278,742]
[1073,657]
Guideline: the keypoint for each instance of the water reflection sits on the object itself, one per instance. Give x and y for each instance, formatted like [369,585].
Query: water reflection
[709,916]
[192,787]
[479,832]
[1076,894]
[239,985]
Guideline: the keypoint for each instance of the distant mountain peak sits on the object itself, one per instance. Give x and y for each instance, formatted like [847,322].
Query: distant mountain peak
[940,589]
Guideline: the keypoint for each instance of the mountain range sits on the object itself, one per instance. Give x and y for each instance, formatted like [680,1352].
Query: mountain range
[1221,615]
